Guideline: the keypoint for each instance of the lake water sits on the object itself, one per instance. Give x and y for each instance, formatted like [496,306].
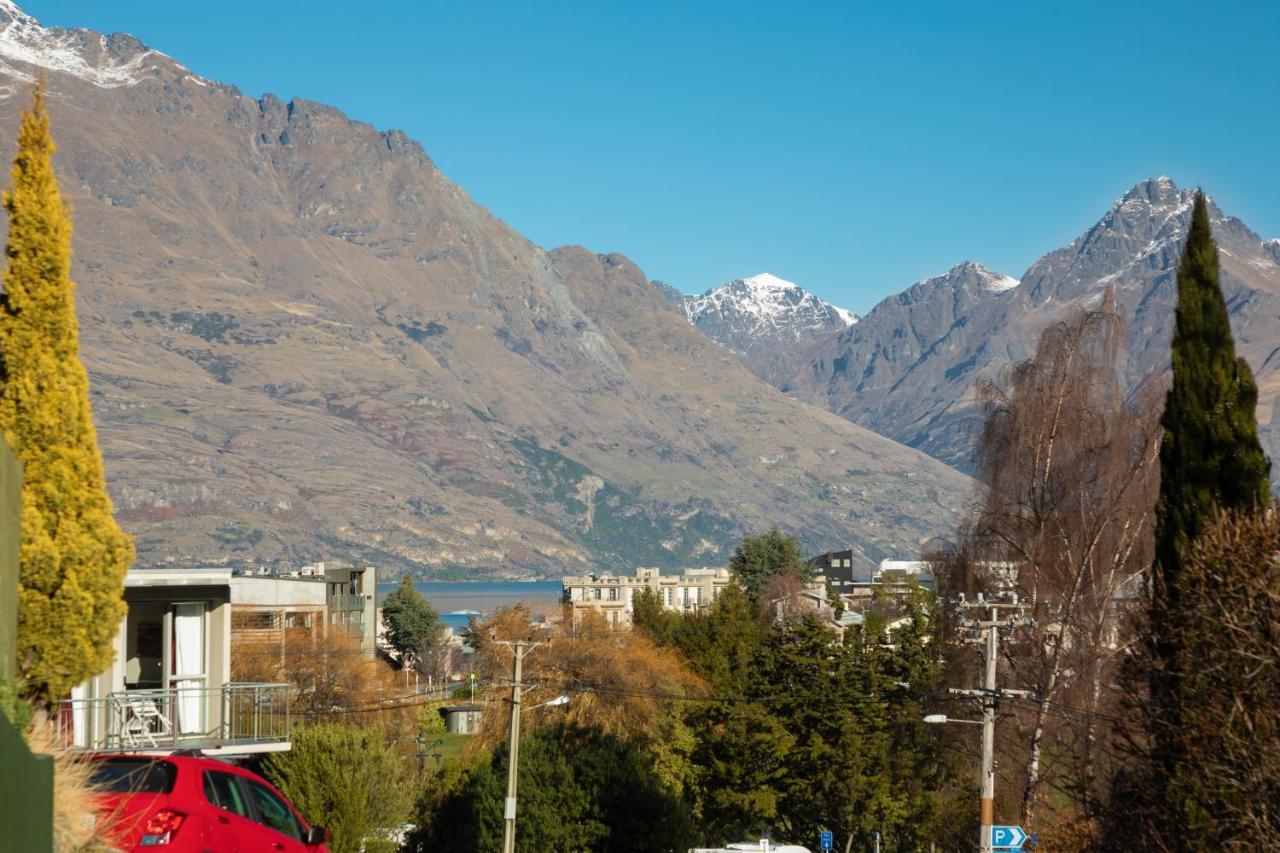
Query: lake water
[458,601]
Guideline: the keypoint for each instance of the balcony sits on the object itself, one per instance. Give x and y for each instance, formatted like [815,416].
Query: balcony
[346,603]
[237,718]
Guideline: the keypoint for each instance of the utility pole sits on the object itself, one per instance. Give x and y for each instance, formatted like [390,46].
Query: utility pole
[987,632]
[520,649]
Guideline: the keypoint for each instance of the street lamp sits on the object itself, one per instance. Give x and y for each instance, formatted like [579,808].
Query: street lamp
[943,718]
[988,765]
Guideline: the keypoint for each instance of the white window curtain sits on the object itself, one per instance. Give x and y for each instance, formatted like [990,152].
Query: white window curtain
[79,715]
[188,666]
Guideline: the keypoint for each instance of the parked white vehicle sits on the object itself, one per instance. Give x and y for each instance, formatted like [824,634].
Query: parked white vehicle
[761,846]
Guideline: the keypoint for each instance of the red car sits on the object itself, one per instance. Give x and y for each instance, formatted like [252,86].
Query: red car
[186,803]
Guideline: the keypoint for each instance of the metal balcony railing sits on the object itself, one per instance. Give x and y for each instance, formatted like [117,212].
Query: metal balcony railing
[237,714]
[346,602]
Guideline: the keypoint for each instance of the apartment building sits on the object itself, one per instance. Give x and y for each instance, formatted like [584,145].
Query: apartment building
[612,596]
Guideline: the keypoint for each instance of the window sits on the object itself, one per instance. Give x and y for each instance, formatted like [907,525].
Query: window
[613,595]
[254,620]
[221,790]
[597,593]
[144,647]
[134,776]
[272,811]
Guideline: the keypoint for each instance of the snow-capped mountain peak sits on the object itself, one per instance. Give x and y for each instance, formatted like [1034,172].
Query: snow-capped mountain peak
[989,280]
[27,47]
[767,281]
[765,319]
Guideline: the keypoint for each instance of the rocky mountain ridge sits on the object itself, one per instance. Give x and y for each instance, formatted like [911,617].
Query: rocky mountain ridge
[908,369]
[305,342]
[764,320]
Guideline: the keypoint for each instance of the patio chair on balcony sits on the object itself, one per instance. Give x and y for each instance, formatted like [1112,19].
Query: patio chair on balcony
[141,721]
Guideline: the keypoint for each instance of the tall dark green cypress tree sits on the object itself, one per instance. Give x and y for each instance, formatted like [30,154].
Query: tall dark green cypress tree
[1210,461]
[1210,457]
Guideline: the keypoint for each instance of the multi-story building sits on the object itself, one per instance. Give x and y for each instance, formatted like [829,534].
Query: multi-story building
[612,596]
[351,595]
[266,608]
[169,686]
[846,576]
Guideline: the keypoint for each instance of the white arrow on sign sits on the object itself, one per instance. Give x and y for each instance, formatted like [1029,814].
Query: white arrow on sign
[1008,837]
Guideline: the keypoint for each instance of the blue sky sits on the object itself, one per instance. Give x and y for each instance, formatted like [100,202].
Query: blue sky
[852,148]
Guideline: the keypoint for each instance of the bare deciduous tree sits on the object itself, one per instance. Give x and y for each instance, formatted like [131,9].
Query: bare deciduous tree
[1070,472]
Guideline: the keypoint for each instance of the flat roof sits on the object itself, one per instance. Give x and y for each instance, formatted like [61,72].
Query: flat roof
[177,577]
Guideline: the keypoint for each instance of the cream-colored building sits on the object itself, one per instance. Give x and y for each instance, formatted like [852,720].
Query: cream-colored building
[612,596]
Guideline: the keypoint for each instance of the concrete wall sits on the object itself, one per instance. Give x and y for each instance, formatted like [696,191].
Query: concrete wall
[277,592]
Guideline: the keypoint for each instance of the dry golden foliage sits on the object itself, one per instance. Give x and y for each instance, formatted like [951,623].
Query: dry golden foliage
[617,680]
[333,680]
[77,825]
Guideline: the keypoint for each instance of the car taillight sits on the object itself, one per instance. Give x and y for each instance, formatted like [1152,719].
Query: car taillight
[161,827]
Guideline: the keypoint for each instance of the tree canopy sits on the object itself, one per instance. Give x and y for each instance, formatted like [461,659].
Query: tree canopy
[412,623]
[1210,456]
[580,789]
[348,780]
[73,556]
[1211,462]
[761,558]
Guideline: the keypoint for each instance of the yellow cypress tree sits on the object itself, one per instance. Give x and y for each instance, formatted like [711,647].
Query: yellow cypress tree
[73,556]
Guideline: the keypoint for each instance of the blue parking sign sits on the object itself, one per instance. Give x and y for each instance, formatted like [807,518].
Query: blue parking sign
[1008,837]
[825,840]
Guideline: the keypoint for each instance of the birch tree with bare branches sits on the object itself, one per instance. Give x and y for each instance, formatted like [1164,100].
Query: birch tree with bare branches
[1070,470]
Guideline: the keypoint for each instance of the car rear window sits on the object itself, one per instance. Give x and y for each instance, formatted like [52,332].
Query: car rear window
[134,776]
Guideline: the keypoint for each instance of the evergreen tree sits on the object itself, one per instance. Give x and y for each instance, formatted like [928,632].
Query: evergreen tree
[1210,461]
[413,625]
[1210,457]
[759,559]
[348,780]
[580,789]
[73,556]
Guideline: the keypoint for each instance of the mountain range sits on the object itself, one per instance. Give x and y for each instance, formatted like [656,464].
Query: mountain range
[765,321]
[907,370]
[305,342]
